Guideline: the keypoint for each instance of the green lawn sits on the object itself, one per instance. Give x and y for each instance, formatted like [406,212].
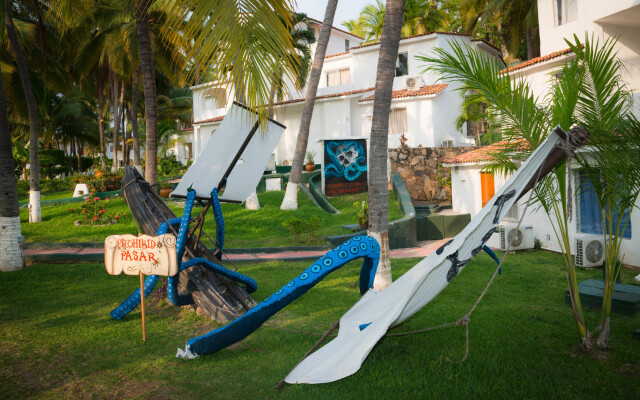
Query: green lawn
[58,341]
[65,194]
[244,228]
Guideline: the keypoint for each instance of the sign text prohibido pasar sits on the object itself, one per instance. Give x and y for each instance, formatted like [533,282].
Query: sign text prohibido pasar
[345,166]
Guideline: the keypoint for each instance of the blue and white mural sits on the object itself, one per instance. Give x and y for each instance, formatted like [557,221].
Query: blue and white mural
[345,166]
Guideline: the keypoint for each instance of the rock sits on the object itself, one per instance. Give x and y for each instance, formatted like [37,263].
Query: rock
[200,312]
[77,223]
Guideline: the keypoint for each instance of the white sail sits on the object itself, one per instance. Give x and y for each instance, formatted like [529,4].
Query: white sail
[370,318]
[238,147]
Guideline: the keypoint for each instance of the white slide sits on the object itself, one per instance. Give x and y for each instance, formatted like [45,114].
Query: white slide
[370,318]
[238,143]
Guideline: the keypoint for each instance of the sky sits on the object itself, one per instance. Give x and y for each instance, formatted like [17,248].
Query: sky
[347,9]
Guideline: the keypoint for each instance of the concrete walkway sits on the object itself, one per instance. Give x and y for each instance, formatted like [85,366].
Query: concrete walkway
[97,254]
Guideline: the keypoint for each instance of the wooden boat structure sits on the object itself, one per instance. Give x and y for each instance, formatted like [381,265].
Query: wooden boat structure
[219,297]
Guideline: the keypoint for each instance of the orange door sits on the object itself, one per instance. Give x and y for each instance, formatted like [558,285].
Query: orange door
[487,186]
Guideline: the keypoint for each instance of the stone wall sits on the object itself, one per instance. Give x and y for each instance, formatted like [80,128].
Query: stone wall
[418,168]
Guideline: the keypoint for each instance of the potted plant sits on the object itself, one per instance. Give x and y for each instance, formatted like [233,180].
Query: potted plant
[98,174]
[311,165]
[165,189]
[363,213]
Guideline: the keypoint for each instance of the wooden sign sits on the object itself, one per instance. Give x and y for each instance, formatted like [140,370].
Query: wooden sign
[149,255]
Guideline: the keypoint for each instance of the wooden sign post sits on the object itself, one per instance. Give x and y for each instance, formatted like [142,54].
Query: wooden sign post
[141,255]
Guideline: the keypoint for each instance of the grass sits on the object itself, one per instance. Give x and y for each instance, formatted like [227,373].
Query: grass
[58,341]
[244,228]
[64,194]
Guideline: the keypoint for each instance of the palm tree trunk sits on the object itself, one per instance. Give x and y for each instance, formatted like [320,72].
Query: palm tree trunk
[290,201]
[378,181]
[124,126]
[99,82]
[34,165]
[10,235]
[79,153]
[149,84]
[116,121]
[134,119]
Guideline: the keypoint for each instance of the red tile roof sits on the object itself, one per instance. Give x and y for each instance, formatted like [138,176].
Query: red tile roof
[413,36]
[337,54]
[538,60]
[423,91]
[189,129]
[338,29]
[216,119]
[326,96]
[482,154]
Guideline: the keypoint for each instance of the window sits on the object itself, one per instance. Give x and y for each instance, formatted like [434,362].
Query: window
[338,77]
[398,120]
[346,45]
[402,66]
[589,216]
[566,10]
[513,212]
[215,98]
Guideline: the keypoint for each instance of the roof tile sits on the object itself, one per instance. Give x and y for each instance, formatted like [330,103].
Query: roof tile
[538,60]
[423,91]
[482,154]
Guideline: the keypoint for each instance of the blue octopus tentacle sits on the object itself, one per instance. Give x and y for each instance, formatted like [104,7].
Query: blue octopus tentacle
[357,247]
[132,301]
[172,282]
[217,213]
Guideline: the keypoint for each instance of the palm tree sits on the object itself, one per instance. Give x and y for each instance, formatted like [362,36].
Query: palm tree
[372,17]
[12,258]
[589,93]
[149,87]
[378,182]
[290,201]
[134,119]
[34,168]
[356,26]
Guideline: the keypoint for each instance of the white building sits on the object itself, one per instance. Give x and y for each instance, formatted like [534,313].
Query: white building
[423,109]
[559,19]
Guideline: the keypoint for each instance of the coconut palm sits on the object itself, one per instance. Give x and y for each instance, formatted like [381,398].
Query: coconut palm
[12,258]
[588,93]
[34,168]
[378,182]
[372,17]
[290,201]
[356,26]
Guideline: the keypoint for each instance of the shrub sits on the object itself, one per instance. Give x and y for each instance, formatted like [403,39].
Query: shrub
[169,166]
[303,231]
[94,212]
[108,182]
[52,162]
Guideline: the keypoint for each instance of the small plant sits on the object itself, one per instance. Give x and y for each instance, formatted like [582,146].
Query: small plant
[303,231]
[107,182]
[311,157]
[537,244]
[362,213]
[94,211]
[443,176]
[403,142]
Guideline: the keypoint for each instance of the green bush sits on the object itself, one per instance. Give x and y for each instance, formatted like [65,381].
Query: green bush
[108,182]
[303,231]
[169,166]
[52,162]
[85,163]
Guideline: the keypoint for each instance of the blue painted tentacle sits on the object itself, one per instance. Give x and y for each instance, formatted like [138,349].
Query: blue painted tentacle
[172,282]
[217,213]
[491,254]
[357,247]
[252,285]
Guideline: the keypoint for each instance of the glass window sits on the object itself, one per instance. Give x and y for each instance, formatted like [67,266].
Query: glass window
[338,77]
[398,120]
[402,66]
[346,45]
[589,216]
[566,10]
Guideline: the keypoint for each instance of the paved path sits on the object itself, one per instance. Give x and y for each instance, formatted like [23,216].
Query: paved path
[90,254]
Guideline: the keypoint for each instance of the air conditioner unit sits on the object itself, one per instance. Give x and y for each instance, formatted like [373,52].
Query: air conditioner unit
[447,143]
[413,82]
[589,251]
[520,238]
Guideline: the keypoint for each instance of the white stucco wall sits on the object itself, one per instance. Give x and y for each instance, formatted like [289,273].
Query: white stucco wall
[467,198]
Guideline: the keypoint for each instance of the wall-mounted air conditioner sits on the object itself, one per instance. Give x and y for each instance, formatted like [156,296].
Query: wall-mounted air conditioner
[520,238]
[413,82]
[589,251]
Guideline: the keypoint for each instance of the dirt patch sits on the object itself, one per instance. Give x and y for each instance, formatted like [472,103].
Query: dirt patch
[101,386]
